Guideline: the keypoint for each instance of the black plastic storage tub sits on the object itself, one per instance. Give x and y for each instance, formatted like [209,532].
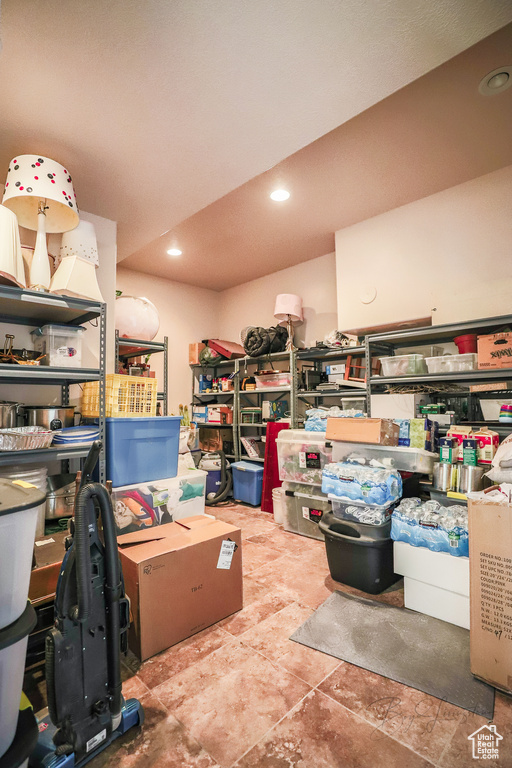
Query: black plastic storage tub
[359,555]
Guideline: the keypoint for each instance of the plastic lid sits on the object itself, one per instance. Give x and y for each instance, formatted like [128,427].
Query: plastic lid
[19,628]
[57,328]
[247,466]
[16,495]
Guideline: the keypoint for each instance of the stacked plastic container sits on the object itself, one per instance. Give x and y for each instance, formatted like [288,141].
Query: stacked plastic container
[18,517]
[302,456]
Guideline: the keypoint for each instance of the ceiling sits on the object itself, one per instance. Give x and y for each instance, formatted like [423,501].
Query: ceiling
[179,117]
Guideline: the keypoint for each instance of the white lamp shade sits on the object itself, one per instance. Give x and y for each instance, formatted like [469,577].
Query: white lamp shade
[136,318]
[12,269]
[80,242]
[288,304]
[32,178]
[76,277]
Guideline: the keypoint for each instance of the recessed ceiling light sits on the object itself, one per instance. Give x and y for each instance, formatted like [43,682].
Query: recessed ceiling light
[496,81]
[279,195]
[174,252]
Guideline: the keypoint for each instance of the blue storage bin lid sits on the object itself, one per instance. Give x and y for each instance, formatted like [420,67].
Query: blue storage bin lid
[247,466]
[135,419]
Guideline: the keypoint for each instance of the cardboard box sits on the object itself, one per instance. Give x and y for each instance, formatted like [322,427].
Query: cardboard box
[220,414]
[200,414]
[49,553]
[194,350]
[491,386]
[144,505]
[403,406]
[490,582]
[339,368]
[220,439]
[362,430]
[181,578]
[495,351]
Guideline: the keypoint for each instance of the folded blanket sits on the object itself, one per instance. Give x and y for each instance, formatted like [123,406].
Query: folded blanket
[261,341]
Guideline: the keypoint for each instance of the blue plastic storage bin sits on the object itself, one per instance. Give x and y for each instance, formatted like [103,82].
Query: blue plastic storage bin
[247,482]
[142,449]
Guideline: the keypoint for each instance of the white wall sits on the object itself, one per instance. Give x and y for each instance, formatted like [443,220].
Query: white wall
[252,303]
[187,314]
[449,254]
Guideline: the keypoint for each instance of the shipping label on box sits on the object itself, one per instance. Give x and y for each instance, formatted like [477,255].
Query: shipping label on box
[490,574]
[495,351]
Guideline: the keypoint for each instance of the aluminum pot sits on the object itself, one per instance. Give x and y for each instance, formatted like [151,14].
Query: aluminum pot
[9,413]
[60,499]
[51,417]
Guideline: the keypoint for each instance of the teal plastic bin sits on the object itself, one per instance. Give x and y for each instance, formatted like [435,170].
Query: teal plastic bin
[247,482]
[142,449]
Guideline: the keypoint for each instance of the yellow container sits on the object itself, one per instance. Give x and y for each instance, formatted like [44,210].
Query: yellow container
[124,396]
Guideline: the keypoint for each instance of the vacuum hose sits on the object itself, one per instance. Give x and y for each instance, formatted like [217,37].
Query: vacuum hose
[226,483]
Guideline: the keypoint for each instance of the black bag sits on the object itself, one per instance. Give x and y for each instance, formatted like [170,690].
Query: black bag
[262,341]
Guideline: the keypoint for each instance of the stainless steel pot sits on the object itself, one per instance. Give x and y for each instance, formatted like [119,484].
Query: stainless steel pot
[470,478]
[9,413]
[60,499]
[51,417]
[445,476]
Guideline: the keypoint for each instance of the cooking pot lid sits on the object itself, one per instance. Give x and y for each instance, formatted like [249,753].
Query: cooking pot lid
[17,495]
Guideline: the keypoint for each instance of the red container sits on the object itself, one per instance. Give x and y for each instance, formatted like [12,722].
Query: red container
[466,343]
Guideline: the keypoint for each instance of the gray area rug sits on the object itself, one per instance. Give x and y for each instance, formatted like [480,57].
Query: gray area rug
[411,648]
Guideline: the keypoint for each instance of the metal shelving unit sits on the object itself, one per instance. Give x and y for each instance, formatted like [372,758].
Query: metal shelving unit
[32,308]
[127,349]
[437,334]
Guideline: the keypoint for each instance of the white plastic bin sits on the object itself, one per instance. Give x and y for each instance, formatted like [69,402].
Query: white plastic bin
[18,516]
[403,365]
[491,408]
[452,363]
[62,345]
[302,455]
[13,650]
[398,457]
[36,476]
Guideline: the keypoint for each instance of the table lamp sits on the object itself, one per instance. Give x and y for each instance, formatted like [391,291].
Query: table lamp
[40,192]
[289,307]
[77,262]
[12,269]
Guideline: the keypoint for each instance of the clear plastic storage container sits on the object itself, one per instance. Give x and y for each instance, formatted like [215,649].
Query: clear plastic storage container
[304,507]
[62,345]
[277,379]
[358,512]
[398,457]
[452,363]
[302,455]
[403,365]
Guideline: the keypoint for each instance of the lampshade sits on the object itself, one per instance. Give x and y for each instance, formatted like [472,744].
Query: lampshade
[12,269]
[76,277]
[288,304]
[31,178]
[80,242]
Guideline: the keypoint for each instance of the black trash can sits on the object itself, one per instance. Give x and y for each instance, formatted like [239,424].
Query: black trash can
[359,555]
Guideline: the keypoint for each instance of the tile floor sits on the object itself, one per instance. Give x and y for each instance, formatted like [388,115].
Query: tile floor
[242,694]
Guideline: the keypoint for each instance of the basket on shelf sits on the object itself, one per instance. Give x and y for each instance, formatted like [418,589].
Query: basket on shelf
[124,396]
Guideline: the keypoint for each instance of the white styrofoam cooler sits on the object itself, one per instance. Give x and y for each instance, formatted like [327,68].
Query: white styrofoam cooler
[435,583]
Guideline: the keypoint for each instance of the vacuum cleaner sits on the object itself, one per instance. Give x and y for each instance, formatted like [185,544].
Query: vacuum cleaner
[87,711]
[220,480]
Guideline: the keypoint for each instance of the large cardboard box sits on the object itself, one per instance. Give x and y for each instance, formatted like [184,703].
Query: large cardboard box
[495,351]
[362,430]
[220,439]
[49,553]
[194,350]
[181,578]
[490,585]
[403,406]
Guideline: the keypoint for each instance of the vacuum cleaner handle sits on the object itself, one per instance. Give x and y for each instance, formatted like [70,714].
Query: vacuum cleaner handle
[90,463]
